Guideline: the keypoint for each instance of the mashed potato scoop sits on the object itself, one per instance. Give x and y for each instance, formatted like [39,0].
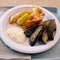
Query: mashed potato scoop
[17,34]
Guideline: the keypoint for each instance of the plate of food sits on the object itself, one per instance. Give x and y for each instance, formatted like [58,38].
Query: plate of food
[29,29]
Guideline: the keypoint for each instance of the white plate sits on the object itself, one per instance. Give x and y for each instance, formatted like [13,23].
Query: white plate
[25,48]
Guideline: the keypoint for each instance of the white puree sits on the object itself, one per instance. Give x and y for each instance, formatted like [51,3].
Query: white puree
[17,34]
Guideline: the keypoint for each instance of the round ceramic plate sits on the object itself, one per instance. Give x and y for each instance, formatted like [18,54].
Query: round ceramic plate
[25,48]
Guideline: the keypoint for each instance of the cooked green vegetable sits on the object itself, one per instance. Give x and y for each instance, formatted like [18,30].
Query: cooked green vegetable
[47,32]
[50,25]
[45,23]
[41,33]
[33,37]
[30,30]
[51,29]
[45,37]
[22,19]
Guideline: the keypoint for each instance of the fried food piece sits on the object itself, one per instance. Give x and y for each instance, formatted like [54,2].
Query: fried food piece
[34,18]
[33,22]
[30,23]
[14,17]
[30,17]
[37,12]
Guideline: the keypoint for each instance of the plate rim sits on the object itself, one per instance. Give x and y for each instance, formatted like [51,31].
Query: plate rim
[14,48]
